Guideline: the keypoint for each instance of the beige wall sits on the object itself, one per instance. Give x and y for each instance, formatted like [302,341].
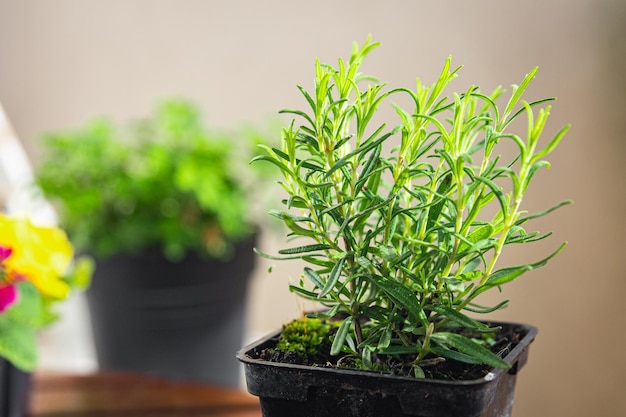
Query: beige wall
[64,61]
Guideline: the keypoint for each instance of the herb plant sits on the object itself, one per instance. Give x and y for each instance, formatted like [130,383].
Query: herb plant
[403,226]
[166,182]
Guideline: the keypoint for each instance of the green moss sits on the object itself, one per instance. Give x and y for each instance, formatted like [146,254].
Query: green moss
[305,336]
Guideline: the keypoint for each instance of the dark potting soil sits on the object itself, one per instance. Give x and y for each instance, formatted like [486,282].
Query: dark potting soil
[434,367]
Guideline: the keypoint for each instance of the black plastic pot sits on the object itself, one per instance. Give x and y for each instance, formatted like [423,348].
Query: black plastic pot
[15,387]
[303,391]
[177,320]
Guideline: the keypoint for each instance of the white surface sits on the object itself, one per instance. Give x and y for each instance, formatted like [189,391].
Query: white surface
[17,191]
[66,345]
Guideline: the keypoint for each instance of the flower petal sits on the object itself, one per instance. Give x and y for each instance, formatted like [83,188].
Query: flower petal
[8,296]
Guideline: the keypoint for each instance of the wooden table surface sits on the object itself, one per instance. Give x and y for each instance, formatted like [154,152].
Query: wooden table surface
[120,394]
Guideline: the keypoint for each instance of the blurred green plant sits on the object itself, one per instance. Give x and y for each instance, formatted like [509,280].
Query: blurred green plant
[404,225]
[165,181]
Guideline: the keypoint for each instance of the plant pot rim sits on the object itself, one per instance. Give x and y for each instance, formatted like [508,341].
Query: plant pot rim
[517,357]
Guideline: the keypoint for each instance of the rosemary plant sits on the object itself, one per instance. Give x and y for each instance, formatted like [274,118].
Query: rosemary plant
[398,240]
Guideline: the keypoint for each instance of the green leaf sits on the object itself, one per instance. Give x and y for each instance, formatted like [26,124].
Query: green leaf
[314,277]
[471,348]
[297,229]
[527,238]
[454,355]
[435,210]
[475,308]
[524,219]
[307,97]
[385,336]
[29,310]
[279,214]
[298,113]
[303,164]
[341,336]
[18,344]
[518,91]
[508,274]
[505,275]
[18,326]
[531,104]
[460,318]
[303,292]
[480,233]
[342,142]
[278,258]
[472,265]
[388,253]
[552,144]
[82,272]
[497,192]
[308,139]
[295,201]
[339,164]
[315,260]
[401,295]
[274,161]
[532,171]
[304,249]
[368,169]
[469,276]
[363,215]
[333,277]
[362,149]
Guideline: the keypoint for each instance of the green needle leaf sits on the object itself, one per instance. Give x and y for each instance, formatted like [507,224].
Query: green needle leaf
[304,249]
[470,348]
[401,295]
[333,278]
[340,337]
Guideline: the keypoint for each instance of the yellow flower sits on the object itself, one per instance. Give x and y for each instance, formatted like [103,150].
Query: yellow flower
[41,255]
